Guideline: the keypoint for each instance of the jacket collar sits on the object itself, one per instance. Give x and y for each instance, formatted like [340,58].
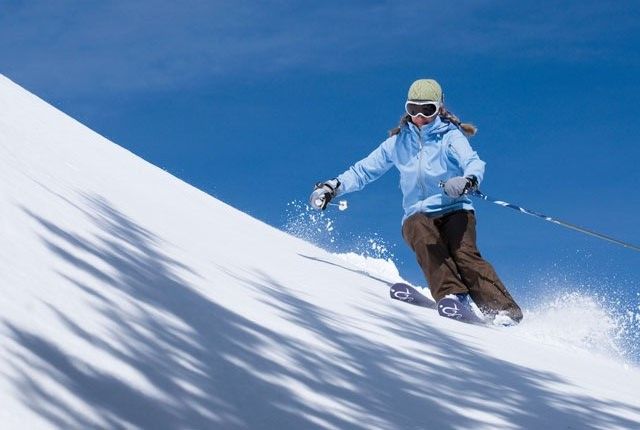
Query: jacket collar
[434,127]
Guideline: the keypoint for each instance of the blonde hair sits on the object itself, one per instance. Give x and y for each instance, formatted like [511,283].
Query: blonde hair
[467,129]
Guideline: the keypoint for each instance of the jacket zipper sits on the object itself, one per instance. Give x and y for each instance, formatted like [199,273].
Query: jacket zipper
[420,164]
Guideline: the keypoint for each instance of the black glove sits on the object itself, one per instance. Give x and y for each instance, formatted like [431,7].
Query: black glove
[323,193]
[457,186]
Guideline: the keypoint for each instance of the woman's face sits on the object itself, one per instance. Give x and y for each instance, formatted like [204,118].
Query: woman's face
[420,120]
[422,113]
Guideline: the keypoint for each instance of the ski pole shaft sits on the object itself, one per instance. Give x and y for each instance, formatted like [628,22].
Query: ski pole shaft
[342,205]
[479,194]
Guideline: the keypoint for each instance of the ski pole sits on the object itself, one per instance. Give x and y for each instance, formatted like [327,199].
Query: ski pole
[342,205]
[479,194]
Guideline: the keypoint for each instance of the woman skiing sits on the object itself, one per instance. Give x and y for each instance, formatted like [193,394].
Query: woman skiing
[437,168]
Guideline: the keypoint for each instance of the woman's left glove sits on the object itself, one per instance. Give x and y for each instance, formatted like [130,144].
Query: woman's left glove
[323,193]
[457,186]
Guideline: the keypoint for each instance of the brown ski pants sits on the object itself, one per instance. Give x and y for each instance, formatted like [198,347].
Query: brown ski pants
[446,251]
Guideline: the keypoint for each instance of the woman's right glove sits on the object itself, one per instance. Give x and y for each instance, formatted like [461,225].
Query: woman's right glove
[323,193]
[457,186]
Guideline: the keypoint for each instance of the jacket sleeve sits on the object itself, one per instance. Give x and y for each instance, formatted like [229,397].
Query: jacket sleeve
[368,169]
[465,156]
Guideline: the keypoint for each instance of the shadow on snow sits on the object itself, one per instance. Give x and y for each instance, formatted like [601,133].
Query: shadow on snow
[207,370]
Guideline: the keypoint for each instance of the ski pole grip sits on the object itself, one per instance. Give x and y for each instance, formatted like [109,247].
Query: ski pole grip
[473,191]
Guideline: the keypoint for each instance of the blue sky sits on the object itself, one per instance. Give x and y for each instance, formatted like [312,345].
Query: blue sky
[253,102]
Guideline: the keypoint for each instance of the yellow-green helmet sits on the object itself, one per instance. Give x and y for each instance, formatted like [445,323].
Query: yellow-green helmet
[425,90]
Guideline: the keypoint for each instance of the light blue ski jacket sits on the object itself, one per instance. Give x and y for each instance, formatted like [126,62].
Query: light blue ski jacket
[424,156]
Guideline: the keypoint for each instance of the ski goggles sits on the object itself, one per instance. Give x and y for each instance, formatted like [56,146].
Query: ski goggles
[426,109]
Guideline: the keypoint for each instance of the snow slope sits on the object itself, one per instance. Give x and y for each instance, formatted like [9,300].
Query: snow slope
[130,299]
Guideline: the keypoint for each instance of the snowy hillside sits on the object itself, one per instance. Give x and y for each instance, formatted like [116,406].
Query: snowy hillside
[130,299]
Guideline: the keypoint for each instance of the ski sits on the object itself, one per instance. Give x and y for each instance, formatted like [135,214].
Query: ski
[408,294]
[448,307]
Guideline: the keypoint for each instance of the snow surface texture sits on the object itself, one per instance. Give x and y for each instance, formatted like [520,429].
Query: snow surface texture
[132,300]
